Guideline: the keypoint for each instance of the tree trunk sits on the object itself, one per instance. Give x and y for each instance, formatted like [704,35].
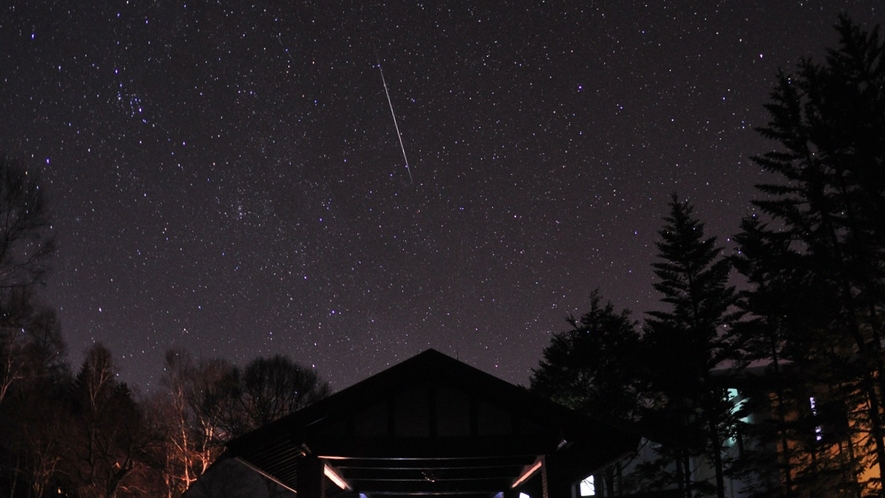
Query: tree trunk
[716,453]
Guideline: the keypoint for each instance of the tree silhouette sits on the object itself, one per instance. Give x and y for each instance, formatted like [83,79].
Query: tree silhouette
[191,414]
[593,367]
[823,246]
[208,402]
[33,421]
[32,353]
[691,338]
[26,243]
[109,435]
[268,389]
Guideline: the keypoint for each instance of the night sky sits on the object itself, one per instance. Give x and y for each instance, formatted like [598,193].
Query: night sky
[226,176]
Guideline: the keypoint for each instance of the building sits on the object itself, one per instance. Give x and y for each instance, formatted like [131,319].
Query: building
[429,426]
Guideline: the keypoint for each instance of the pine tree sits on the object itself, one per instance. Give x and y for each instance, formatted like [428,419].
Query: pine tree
[816,267]
[689,339]
[785,306]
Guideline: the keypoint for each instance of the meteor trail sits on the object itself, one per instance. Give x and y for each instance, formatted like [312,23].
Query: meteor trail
[395,125]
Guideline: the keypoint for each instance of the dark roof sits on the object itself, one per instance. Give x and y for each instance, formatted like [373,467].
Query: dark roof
[431,424]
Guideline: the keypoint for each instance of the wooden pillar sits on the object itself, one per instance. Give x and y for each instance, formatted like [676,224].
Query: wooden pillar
[310,477]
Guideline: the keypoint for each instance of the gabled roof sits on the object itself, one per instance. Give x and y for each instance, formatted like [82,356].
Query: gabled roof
[448,426]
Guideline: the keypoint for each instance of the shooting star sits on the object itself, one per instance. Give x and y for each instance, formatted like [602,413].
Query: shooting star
[395,125]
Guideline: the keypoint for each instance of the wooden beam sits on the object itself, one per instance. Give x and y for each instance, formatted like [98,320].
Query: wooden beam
[427,487]
[265,474]
[387,473]
[406,448]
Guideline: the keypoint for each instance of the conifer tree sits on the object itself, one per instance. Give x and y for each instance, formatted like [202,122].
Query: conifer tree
[690,338]
[593,367]
[816,266]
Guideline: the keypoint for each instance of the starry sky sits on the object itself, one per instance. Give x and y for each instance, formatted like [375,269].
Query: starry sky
[226,176]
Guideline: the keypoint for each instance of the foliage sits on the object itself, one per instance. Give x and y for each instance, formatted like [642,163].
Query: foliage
[26,243]
[32,352]
[189,415]
[817,268]
[691,339]
[664,379]
[89,435]
[208,402]
[109,434]
[593,366]
[693,279]
[271,388]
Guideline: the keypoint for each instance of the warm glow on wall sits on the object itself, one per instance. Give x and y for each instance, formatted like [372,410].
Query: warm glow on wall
[335,477]
[527,473]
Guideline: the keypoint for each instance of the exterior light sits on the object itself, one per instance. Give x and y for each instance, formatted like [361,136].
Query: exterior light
[335,477]
[527,473]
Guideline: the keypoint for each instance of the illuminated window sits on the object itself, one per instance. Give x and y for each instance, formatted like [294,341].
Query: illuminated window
[818,430]
[588,487]
[737,404]
[523,495]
